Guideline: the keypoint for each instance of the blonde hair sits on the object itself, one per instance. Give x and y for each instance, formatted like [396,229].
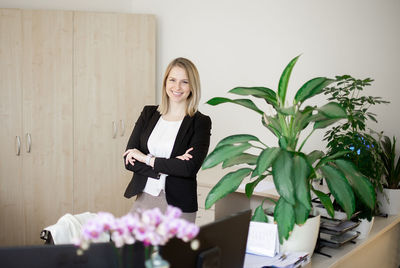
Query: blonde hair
[194,85]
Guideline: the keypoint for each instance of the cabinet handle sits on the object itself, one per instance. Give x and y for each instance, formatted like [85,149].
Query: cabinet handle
[122,128]
[28,142]
[114,126]
[18,140]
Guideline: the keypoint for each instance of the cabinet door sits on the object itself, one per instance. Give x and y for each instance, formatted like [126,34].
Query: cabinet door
[47,119]
[11,198]
[114,76]
[137,86]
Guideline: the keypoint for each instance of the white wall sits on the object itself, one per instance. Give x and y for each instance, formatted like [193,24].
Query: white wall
[248,43]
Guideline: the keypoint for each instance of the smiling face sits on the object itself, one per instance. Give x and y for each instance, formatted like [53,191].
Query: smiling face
[177,85]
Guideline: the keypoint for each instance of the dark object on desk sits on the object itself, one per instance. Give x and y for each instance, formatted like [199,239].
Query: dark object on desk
[228,236]
[336,241]
[335,227]
[210,258]
[101,255]
[47,237]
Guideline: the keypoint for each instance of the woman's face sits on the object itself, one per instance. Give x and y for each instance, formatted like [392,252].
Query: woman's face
[177,85]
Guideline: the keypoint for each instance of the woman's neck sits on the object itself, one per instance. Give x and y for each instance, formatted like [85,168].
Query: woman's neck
[176,112]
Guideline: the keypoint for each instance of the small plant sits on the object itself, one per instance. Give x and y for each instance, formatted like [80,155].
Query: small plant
[293,170]
[364,149]
[391,168]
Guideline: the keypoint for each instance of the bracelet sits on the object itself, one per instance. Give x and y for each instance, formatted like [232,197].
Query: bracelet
[148,159]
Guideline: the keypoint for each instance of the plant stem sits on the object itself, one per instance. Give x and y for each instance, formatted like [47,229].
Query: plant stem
[263,144]
[302,144]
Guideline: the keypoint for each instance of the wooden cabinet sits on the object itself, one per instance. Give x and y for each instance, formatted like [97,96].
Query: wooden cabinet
[72,85]
[114,77]
[11,204]
[36,118]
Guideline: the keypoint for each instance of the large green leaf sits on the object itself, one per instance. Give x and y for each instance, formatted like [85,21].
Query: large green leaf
[330,158]
[243,158]
[222,153]
[302,118]
[252,185]
[272,123]
[238,138]
[314,156]
[266,159]
[285,217]
[228,184]
[311,88]
[284,81]
[301,213]
[282,172]
[259,214]
[243,102]
[301,173]
[325,123]
[259,92]
[286,111]
[333,110]
[326,202]
[360,184]
[340,188]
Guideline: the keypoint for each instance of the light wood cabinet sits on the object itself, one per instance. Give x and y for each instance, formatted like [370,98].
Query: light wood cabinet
[114,77]
[11,204]
[72,85]
[36,110]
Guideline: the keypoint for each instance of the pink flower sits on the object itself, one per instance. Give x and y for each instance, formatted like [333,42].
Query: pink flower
[150,226]
[188,232]
[173,212]
[106,220]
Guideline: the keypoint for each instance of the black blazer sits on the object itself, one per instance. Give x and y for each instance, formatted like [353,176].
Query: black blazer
[180,184]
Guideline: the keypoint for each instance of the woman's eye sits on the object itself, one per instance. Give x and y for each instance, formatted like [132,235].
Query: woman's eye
[186,82]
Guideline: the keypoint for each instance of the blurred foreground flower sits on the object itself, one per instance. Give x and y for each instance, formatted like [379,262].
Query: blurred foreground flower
[151,227]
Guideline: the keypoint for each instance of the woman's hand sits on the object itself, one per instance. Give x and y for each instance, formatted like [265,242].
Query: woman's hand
[186,155]
[134,154]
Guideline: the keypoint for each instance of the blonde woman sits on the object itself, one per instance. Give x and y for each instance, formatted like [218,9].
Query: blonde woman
[169,143]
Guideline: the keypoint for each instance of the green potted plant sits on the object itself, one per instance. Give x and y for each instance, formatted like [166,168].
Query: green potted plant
[351,134]
[292,170]
[390,199]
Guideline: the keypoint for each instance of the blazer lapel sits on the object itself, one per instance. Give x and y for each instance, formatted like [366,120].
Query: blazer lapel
[187,121]
[150,126]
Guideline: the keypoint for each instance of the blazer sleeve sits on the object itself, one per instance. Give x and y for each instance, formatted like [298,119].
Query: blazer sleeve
[200,143]
[134,142]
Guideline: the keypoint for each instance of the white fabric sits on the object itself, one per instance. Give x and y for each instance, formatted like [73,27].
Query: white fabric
[160,144]
[69,227]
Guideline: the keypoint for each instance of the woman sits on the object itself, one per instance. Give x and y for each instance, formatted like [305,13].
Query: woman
[169,143]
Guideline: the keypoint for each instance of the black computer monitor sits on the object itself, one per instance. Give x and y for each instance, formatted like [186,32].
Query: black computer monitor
[100,255]
[222,243]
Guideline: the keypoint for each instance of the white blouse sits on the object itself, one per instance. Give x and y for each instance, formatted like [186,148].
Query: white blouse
[160,144]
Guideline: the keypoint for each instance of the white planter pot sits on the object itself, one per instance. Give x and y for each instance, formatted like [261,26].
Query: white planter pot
[303,238]
[393,206]
[364,228]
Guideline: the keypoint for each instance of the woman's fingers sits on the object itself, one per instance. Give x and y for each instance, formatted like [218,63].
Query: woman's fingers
[127,152]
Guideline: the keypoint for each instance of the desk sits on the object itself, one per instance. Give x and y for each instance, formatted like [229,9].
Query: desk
[380,249]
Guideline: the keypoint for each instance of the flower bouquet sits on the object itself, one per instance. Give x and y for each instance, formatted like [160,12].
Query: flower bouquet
[151,227]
